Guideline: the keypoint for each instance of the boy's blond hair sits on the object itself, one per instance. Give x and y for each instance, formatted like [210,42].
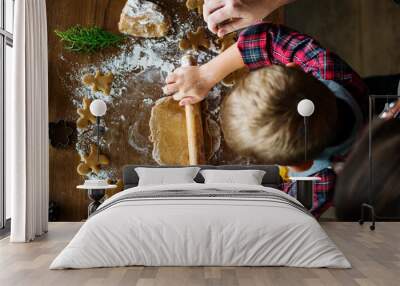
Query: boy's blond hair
[259,118]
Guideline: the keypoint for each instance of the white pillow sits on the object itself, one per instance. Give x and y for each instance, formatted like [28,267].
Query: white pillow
[247,177]
[166,176]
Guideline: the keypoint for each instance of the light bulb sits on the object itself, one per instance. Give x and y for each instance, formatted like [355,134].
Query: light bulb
[305,107]
[98,107]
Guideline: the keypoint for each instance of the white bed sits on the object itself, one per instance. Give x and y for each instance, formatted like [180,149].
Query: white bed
[249,226]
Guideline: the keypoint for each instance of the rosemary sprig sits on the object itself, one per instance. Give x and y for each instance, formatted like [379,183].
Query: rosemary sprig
[88,39]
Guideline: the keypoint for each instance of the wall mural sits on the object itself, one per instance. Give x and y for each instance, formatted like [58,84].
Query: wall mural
[124,62]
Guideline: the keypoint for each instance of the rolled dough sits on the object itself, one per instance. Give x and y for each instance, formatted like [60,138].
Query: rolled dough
[168,133]
[141,18]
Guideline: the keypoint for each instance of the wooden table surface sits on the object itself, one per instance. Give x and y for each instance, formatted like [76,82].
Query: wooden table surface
[374,255]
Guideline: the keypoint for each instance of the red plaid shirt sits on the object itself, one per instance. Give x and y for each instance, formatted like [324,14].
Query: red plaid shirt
[268,44]
[323,191]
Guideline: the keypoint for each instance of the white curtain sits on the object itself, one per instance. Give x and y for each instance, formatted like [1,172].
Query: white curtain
[27,172]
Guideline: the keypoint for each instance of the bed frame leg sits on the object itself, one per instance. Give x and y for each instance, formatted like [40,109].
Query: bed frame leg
[373,217]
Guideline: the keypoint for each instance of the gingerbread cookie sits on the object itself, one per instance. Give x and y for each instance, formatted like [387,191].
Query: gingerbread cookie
[195,5]
[99,82]
[234,77]
[85,116]
[195,40]
[92,163]
[226,41]
[141,18]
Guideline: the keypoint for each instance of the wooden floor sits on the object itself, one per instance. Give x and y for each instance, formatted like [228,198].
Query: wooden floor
[375,257]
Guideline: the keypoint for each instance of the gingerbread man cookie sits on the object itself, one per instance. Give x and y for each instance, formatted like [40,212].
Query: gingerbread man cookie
[99,82]
[85,116]
[195,5]
[226,41]
[195,40]
[92,163]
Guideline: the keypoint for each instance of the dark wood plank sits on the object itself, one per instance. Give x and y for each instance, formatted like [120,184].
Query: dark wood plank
[364,33]
[334,23]
[380,37]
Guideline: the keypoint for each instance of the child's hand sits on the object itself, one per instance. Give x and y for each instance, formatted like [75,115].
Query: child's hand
[226,16]
[189,85]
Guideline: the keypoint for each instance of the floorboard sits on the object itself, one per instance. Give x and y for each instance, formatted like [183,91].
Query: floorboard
[375,257]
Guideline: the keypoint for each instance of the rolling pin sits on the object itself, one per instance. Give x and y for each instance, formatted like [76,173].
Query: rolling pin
[190,111]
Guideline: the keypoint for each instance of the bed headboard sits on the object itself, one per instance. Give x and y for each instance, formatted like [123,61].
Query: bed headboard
[271,177]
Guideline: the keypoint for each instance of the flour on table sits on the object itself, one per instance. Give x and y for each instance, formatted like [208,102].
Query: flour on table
[148,101]
[135,59]
[136,139]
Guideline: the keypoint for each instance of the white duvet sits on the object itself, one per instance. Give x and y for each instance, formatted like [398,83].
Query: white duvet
[200,231]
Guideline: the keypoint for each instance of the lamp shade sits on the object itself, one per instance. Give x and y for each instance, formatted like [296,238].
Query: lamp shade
[98,107]
[305,107]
